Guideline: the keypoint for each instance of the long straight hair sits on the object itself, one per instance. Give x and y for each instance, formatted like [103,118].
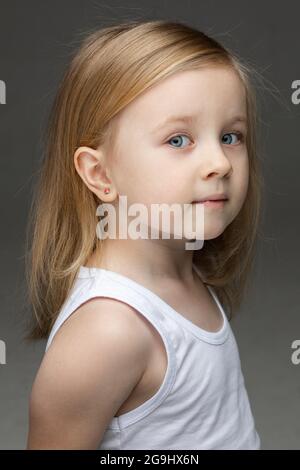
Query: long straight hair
[112,67]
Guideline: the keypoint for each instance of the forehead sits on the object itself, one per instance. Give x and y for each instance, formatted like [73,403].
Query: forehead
[211,92]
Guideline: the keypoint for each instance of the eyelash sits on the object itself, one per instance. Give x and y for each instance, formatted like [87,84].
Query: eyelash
[239,134]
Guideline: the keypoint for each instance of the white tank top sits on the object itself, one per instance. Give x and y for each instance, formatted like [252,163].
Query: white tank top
[202,402]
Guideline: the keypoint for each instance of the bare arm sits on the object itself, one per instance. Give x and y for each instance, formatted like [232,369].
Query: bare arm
[93,363]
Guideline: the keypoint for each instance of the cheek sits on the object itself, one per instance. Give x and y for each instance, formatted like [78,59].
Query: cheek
[144,173]
[137,177]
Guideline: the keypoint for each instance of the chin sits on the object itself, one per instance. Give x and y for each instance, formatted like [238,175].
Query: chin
[213,232]
[209,233]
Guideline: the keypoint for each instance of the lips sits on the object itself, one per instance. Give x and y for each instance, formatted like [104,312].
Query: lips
[213,197]
[213,200]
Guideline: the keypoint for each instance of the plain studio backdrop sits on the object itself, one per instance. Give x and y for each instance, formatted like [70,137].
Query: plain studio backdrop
[36,39]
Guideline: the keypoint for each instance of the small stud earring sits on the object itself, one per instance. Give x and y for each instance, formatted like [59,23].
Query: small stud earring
[106,190]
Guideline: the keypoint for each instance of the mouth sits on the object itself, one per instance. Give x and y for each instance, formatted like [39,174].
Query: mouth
[212,202]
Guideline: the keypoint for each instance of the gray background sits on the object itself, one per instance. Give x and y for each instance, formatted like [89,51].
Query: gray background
[36,39]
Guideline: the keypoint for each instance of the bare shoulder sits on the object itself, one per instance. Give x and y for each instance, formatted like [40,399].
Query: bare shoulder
[95,360]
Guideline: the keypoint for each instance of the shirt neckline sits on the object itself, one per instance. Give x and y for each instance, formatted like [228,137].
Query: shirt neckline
[215,337]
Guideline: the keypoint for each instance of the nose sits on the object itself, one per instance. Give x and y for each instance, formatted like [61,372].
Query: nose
[213,161]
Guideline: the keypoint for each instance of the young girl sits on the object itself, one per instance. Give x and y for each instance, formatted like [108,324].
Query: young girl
[140,352]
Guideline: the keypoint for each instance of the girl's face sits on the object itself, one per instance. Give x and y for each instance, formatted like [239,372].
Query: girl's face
[161,159]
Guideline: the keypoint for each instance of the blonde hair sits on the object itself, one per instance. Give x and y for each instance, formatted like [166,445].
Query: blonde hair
[112,67]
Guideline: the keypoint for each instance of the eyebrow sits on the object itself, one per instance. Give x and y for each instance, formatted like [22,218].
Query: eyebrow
[189,119]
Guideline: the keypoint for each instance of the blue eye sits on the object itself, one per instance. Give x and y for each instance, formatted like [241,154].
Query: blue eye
[238,134]
[178,138]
